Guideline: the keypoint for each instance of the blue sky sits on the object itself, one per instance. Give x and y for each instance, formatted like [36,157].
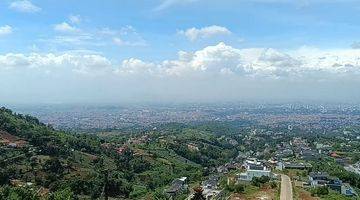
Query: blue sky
[275,23]
[125,42]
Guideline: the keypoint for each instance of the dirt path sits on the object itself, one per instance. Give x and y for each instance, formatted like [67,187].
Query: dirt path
[286,188]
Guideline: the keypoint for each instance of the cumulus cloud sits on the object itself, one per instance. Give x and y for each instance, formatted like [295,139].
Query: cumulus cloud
[24,6]
[65,28]
[134,66]
[222,59]
[5,30]
[78,63]
[219,72]
[206,32]
[303,64]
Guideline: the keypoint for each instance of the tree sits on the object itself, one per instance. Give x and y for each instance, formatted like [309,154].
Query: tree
[65,194]
[4,177]
[54,165]
[139,165]
[198,195]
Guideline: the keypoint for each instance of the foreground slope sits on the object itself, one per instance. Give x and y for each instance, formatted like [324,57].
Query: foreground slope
[39,162]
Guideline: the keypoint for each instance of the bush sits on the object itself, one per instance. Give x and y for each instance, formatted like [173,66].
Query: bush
[65,194]
[259,181]
[323,191]
[23,193]
[319,191]
[273,184]
[239,188]
[138,191]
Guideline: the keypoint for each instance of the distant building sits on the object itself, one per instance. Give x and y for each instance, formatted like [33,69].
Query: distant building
[212,182]
[222,169]
[233,142]
[290,127]
[317,179]
[308,154]
[292,165]
[121,150]
[241,156]
[12,145]
[353,168]
[178,186]
[334,155]
[347,190]
[255,170]
[210,188]
[335,184]
[192,147]
[342,161]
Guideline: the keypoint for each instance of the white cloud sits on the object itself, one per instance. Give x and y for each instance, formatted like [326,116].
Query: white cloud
[170,3]
[119,42]
[206,32]
[70,36]
[51,63]
[219,72]
[302,64]
[123,31]
[126,36]
[5,30]
[75,19]
[136,66]
[220,60]
[24,6]
[10,61]
[74,40]
[65,28]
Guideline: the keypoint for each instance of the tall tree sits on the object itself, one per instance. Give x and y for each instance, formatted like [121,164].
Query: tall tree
[198,195]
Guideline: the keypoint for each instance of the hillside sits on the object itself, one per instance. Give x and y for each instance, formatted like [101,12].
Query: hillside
[38,162]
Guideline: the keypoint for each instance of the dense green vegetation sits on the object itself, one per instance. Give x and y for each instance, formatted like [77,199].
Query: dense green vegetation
[65,165]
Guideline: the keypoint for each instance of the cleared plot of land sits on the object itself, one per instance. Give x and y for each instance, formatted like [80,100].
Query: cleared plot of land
[253,193]
[305,195]
[7,137]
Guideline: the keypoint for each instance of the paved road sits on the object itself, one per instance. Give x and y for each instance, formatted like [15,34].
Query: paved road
[286,188]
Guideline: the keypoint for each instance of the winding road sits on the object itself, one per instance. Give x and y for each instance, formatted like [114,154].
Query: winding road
[286,188]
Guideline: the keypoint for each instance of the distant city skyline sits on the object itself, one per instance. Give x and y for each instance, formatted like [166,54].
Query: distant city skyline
[179,51]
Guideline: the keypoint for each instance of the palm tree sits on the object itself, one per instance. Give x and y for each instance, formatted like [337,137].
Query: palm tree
[198,195]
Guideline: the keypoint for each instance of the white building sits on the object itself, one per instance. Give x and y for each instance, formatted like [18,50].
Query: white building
[255,170]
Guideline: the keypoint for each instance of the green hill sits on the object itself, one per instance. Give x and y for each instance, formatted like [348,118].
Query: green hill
[38,162]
